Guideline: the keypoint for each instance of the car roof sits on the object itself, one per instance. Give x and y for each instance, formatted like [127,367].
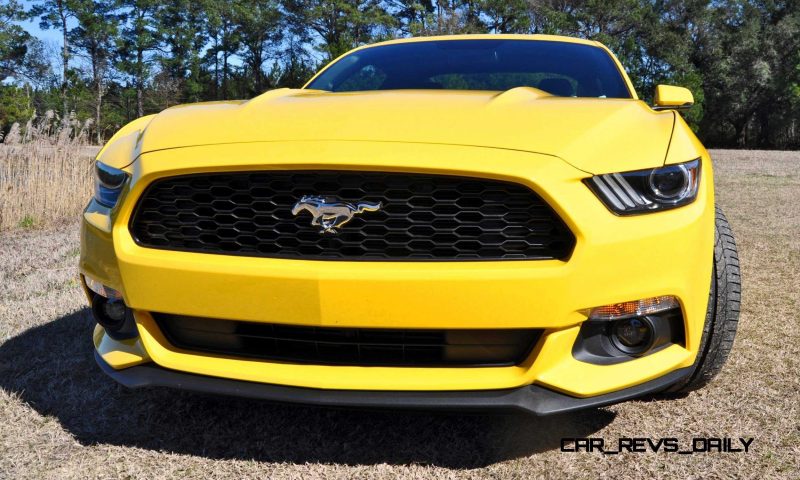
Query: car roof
[488,36]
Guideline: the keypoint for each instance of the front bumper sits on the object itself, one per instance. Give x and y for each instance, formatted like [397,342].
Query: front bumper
[615,259]
[531,399]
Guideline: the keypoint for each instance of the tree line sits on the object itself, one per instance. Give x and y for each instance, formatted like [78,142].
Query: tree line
[120,59]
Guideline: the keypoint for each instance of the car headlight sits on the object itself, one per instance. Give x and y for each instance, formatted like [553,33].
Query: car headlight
[108,183]
[649,190]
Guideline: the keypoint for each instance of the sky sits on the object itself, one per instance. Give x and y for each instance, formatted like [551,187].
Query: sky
[32,26]
[46,36]
[51,37]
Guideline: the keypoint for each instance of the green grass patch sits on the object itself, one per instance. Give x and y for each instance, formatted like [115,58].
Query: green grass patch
[27,222]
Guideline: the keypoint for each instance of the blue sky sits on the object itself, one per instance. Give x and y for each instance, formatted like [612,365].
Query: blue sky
[52,37]
[45,35]
[32,26]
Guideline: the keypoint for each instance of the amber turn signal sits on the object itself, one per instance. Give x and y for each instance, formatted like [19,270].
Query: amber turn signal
[636,308]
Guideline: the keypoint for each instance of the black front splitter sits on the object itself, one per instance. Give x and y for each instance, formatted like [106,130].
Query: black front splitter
[532,399]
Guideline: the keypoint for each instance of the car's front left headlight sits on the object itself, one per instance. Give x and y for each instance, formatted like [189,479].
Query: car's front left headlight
[108,184]
[651,190]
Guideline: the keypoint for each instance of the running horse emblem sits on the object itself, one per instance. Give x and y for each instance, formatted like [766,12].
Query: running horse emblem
[330,213]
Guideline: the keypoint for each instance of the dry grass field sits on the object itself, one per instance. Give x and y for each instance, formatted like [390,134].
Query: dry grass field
[45,172]
[60,417]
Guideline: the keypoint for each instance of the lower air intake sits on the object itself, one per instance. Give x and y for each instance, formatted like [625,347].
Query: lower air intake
[350,346]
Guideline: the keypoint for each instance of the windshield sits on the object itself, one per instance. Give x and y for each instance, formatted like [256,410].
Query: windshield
[559,68]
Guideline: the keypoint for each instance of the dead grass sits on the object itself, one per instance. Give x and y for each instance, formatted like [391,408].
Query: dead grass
[45,173]
[60,417]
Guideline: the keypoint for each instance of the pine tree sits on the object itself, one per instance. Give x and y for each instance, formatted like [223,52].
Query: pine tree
[95,38]
[56,14]
[138,38]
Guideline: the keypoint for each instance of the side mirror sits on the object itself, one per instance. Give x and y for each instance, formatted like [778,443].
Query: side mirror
[669,97]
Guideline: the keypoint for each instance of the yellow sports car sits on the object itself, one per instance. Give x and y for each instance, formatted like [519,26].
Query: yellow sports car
[466,222]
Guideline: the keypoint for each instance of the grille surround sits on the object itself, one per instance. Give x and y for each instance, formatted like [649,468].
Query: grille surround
[341,346]
[425,217]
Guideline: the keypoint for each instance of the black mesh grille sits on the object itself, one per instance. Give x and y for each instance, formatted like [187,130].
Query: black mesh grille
[349,346]
[423,217]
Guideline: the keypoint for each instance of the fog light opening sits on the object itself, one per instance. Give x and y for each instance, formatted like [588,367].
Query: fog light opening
[625,331]
[633,335]
[115,317]
[114,312]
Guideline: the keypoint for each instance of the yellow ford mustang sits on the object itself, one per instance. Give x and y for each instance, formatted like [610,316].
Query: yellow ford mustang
[464,222]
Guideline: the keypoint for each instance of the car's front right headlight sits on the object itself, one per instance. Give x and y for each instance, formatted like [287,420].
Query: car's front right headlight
[651,190]
[108,184]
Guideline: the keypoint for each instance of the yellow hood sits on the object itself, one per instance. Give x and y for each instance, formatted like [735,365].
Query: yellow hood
[595,135]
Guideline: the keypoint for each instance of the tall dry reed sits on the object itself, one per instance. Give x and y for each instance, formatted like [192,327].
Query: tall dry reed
[45,172]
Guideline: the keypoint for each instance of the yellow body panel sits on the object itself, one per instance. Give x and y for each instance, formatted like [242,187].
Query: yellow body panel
[670,96]
[552,294]
[119,353]
[124,146]
[522,119]
[547,143]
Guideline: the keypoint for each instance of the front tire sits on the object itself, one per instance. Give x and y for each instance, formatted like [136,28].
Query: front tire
[722,315]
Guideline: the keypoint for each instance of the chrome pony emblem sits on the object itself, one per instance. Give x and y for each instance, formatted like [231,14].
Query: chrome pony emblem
[330,213]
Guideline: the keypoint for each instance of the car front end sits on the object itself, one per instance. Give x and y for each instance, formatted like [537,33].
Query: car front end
[462,274]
